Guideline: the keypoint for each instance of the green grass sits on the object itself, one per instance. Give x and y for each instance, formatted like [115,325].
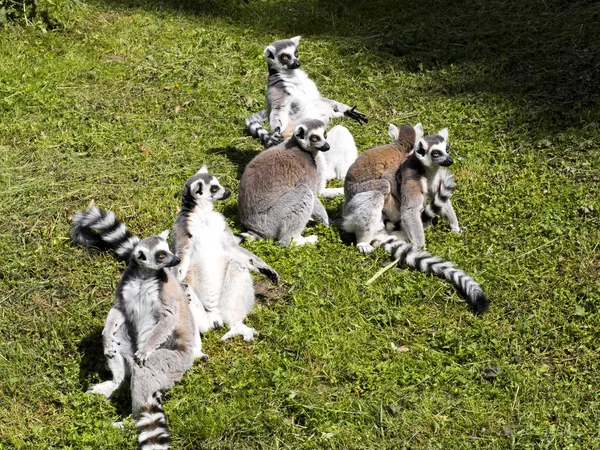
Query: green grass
[89,111]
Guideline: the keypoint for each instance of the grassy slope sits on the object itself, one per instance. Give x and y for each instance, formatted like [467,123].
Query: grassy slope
[90,113]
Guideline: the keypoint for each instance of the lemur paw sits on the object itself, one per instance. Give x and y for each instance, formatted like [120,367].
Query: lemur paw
[274,138]
[300,240]
[140,357]
[111,351]
[270,274]
[459,229]
[215,320]
[364,247]
[356,115]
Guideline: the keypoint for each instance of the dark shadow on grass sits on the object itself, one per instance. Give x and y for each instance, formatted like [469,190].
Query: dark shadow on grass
[545,53]
[92,369]
[238,157]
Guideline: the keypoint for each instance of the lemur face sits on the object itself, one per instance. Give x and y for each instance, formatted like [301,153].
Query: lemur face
[283,55]
[153,253]
[312,136]
[432,149]
[204,186]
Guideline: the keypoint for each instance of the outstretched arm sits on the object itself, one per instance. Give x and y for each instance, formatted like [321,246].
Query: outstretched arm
[250,259]
[340,109]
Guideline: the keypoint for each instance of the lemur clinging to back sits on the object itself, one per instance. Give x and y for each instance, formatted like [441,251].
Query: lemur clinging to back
[150,336]
[213,264]
[293,97]
[278,189]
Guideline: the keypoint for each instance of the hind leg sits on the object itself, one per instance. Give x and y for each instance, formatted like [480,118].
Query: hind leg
[291,213]
[363,217]
[450,215]
[237,299]
[201,321]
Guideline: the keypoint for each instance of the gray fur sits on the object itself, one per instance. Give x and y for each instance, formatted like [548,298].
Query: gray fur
[278,190]
[149,337]
[420,177]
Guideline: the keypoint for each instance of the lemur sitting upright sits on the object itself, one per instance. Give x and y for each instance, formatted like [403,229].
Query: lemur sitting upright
[150,336]
[213,265]
[278,189]
[390,183]
[292,97]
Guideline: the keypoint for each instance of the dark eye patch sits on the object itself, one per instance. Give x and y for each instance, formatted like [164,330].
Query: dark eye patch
[436,153]
[214,188]
[285,57]
[160,256]
[314,138]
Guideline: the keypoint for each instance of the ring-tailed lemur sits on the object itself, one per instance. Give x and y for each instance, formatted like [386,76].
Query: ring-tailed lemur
[292,95]
[149,336]
[421,176]
[100,229]
[376,188]
[213,265]
[278,189]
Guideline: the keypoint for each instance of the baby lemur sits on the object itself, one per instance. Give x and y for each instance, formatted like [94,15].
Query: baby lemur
[213,265]
[278,189]
[149,336]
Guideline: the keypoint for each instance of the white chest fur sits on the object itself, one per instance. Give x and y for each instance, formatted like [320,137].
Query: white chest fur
[142,301]
[208,256]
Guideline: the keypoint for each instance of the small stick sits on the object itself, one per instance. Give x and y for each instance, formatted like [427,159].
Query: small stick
[382,271]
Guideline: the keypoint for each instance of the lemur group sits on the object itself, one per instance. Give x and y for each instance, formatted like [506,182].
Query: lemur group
[170,295]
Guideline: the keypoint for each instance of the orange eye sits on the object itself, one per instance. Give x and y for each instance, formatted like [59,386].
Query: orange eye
[296,54]
[325,135]
[161,255]
[285,57]
[314,139]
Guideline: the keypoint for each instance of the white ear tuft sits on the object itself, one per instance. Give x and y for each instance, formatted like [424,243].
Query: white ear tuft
[295,40]
[444,133]
[393,132]
[300,131]
[203,169]
[418,132]
[269,52]
[164,234]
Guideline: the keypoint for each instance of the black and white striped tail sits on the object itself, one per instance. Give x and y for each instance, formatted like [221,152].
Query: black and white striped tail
[98,228]
[440,198]
[153,433]
[411,256]
[255,128]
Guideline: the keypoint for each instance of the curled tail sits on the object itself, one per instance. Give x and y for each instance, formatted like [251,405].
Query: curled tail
[98,228]
[440,198]
[255,128]
[409,255]
[151,424]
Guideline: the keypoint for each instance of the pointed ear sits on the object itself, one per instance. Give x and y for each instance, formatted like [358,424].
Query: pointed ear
[269,52]
[164,234]
[295,40]
[203,169]
[300,132]
[393,132]
[421,148]
[418,132]
[141,256]
[444,133]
